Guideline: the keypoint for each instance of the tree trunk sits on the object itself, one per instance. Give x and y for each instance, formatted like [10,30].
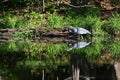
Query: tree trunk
[43,74]
[75,66]
[43,6]
[117,69]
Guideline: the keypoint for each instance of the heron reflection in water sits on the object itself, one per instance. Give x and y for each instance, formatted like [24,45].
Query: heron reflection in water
[78,45]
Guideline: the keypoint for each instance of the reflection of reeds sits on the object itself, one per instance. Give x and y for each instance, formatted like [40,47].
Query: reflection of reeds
[51,49]
[53,54]
[34,48]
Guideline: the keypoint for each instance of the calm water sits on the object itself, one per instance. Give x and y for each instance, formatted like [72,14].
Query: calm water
[58,59]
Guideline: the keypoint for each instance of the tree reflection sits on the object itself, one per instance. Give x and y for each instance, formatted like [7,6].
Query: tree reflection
[22,61]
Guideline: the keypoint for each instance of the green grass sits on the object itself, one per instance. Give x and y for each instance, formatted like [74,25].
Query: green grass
[113,48]
[55,20]
[114,21]
[12,21]
[112,25]
[25,35]
[8,21]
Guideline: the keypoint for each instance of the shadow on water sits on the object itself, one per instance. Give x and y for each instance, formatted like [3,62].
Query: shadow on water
[60,59]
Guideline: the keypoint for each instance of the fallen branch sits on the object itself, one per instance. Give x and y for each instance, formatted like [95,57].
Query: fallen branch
[77,6]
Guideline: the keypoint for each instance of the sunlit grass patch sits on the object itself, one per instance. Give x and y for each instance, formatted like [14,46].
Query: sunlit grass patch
[54,20]
[8,21]
[13,21]
[112,25]
[95,24]
[113,48]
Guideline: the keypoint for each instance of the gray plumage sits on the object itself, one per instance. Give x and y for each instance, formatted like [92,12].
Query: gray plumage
[77,30]
[78,45]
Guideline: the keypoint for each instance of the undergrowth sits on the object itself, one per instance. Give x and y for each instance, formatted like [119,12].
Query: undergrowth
[55,20]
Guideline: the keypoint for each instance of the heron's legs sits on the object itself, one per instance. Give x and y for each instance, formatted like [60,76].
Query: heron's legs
[79,36]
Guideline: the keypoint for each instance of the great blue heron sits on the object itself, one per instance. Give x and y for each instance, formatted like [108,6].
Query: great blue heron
[77,30]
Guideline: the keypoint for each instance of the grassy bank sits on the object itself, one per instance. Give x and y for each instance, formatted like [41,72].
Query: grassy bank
[55,20]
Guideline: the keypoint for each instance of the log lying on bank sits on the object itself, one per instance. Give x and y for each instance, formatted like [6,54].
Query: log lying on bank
[39,33]
[5,34]
[47,32]
[51,32]
[43,35]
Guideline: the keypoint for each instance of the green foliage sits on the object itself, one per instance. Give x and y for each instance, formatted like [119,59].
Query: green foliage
[114,22]
[8,21]
[54,20]
[95,23]
[78,21]
[92,11]
[21,24]
[35,20]
[26,35]
[113,48]
[12,21]
[31,20]
[112,25]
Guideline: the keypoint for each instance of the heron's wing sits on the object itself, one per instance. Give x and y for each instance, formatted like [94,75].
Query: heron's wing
[83,31]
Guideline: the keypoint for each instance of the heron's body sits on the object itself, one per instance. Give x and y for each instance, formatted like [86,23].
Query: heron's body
[77,30]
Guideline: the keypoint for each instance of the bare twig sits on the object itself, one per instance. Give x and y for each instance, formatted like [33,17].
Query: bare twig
[77,6]
[43,5]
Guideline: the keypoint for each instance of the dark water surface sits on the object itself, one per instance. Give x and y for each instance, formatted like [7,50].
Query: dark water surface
[58,59]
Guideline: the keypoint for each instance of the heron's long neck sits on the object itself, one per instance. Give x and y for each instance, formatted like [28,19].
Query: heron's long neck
[71,30]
